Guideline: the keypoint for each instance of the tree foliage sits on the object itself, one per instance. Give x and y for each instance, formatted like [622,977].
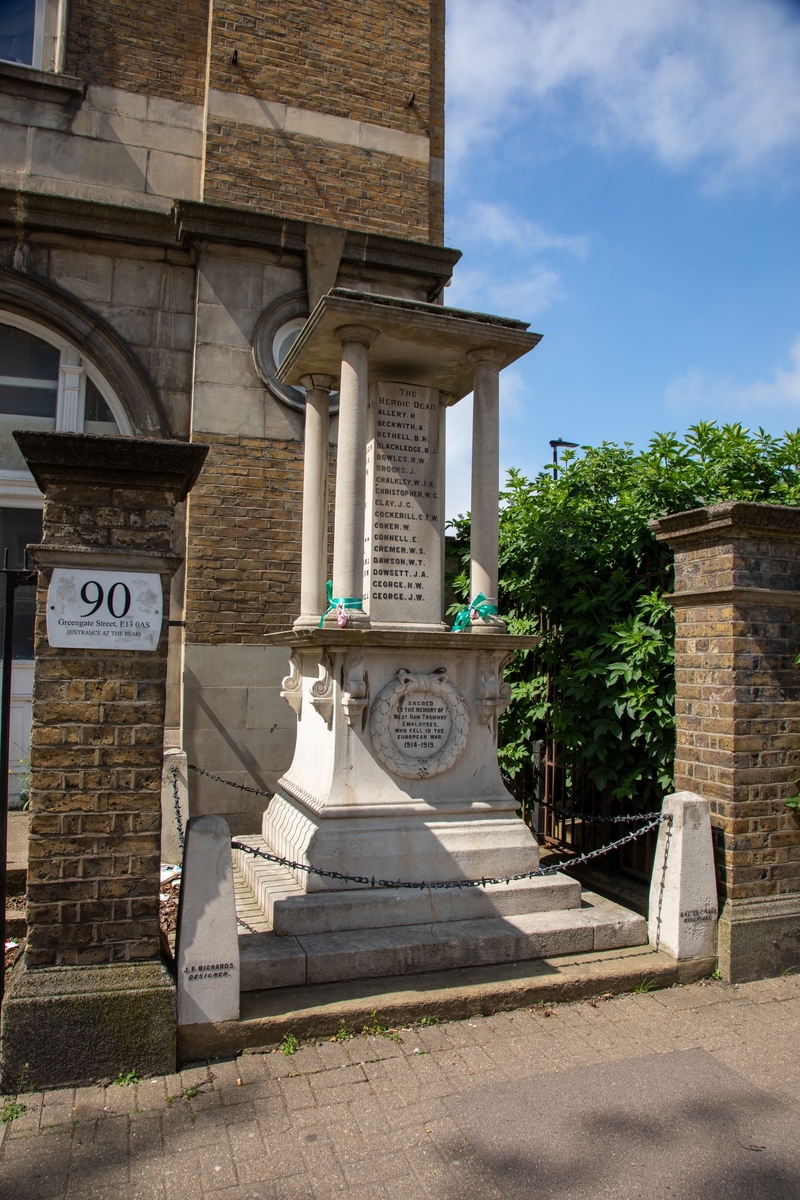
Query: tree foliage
[580,566]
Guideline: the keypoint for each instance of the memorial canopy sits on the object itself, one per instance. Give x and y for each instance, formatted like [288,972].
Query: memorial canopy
[418,343]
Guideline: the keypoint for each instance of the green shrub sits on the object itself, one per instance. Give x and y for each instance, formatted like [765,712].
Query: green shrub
[580,567]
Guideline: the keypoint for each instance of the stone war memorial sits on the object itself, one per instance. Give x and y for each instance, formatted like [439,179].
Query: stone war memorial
[395,776]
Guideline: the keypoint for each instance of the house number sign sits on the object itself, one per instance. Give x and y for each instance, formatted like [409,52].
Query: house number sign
[113,609]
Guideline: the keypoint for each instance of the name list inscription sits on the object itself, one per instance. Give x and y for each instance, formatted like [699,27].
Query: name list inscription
[403,536]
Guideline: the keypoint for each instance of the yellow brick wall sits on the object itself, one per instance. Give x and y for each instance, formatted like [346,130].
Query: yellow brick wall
[358,59]
[305,179]
[158,49]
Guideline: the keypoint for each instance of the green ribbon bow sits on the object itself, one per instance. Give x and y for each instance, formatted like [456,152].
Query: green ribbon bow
[479,605]
[335,602]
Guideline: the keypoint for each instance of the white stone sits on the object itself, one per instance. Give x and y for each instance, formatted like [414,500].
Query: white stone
[174,175]
[368,953]
[207,943]
[683,890]
[403,546]
[174,808]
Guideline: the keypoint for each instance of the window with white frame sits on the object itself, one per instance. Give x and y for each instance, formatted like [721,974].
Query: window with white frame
[45,383]
[31,33]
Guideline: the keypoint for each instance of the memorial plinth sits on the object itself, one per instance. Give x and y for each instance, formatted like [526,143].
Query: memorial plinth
[395,774]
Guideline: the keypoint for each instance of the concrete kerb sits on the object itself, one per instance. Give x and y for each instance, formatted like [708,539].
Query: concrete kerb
[314,1012]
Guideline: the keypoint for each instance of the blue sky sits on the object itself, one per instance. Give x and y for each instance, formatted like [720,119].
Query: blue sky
[625,175]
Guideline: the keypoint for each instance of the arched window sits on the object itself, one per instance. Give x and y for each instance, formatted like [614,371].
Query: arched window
[45,383]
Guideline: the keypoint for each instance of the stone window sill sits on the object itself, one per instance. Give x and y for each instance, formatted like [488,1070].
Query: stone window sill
[40,85]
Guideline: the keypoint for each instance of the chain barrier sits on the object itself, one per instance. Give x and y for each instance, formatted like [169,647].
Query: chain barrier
[447,884]
[572,814]
[242,787]
[176,800]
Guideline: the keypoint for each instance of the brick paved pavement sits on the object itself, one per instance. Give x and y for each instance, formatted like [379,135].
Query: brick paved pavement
[376,1119]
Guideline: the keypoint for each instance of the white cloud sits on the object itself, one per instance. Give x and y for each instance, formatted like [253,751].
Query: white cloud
[501,226]
[527,296]
[705,394]
[530,286]
[715,82]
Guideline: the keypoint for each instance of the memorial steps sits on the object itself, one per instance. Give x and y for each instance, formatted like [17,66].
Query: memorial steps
[288,938]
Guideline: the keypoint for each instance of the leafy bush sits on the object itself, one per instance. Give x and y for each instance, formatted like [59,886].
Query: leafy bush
[580,566]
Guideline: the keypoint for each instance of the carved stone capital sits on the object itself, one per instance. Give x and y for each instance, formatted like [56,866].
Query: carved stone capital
[363,335]
[318,383]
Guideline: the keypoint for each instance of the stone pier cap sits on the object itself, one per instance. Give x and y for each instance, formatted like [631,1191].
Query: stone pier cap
[750,580]
[419,343]
[97,459]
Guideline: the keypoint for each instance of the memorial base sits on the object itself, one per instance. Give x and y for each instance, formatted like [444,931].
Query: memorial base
[395,772]
[76,1025]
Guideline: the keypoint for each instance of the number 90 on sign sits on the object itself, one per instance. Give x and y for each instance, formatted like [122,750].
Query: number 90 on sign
[119,609]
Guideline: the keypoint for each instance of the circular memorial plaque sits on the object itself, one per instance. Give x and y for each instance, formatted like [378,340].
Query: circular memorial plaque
[419,724]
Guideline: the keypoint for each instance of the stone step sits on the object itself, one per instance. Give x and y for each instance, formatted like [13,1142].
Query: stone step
[270,961]
[292,912]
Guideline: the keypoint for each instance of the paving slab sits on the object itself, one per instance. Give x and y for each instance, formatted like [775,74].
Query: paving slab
[583,1100]
[677,1125]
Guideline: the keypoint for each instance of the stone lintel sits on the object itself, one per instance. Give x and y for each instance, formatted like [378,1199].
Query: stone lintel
[76,1025]
[420,343]
[734,518]
[116,558]
[387,639]
[92,459]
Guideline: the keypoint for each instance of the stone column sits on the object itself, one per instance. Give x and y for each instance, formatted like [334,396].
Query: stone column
[485,499]
[314,551]
[737,617]
[348,525]
[92,996]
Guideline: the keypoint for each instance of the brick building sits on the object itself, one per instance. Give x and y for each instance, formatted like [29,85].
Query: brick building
[179,184]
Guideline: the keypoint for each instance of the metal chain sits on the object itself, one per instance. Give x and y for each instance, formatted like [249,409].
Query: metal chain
[177,802]
[242,787]
[449,883]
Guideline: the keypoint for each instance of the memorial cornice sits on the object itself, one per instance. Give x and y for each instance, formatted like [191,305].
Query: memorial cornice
[399,639]
[419,343]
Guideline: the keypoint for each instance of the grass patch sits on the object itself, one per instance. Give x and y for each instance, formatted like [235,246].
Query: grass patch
[126,1078]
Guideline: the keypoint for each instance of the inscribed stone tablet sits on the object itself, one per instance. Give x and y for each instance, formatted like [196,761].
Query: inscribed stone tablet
[403,542]
[119,610]
[420,725]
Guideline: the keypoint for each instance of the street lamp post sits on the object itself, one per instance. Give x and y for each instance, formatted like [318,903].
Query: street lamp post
[555,444]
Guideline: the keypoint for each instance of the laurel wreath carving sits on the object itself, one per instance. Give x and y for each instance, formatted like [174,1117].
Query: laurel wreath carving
[407,683]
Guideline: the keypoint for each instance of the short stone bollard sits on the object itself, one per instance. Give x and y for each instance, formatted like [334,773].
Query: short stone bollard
[683,890]
[207,950]
[174,805]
